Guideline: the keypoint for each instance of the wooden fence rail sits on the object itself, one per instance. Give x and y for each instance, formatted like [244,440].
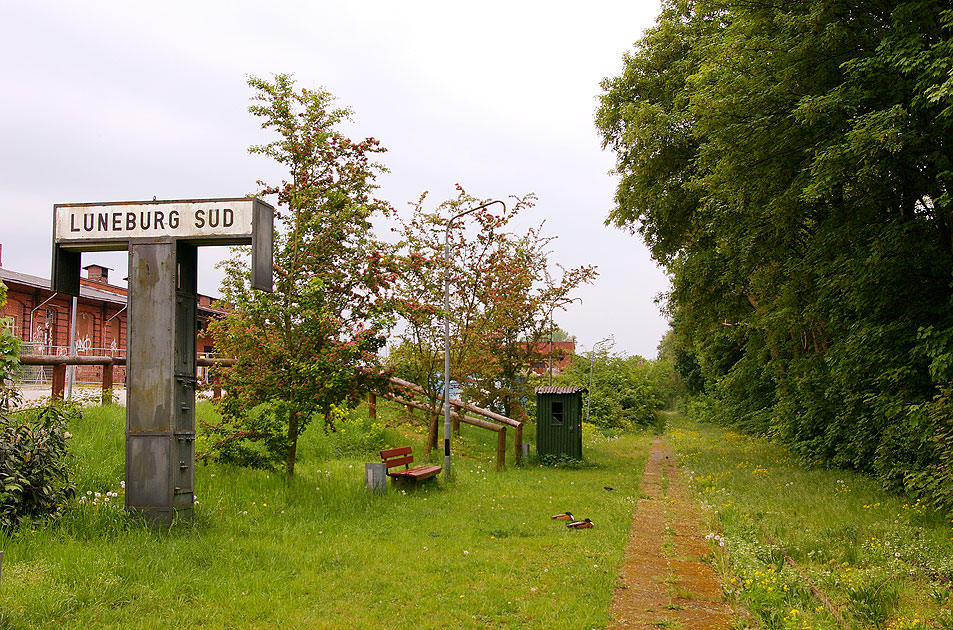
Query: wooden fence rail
[477,422]
[460,408]
[60,362]
[516,424]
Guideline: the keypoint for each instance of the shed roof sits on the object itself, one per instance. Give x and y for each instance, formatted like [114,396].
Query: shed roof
[560,389]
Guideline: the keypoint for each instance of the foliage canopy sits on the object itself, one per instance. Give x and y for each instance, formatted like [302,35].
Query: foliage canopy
[790,166]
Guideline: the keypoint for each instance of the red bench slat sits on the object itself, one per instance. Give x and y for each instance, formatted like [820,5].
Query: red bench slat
[418,472]
[394,452]
[399,461]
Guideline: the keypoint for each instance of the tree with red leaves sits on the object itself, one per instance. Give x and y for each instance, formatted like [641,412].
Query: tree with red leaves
[501,299]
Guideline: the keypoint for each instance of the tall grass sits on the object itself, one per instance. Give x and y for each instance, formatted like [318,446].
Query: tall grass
[319,551]
[877,556]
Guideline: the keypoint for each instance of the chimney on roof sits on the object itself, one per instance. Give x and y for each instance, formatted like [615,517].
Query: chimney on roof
[1,254]
[97,273]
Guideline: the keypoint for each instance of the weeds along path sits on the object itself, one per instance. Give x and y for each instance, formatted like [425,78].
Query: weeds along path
[663,581]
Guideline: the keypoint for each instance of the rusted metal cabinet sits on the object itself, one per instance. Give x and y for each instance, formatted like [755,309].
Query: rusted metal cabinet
[559,421]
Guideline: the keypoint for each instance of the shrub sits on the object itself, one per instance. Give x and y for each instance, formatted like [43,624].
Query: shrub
[34,475]
[255,440]
[561,460]
[932,481]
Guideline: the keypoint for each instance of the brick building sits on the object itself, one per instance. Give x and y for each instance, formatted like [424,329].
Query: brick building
[42,318]
[561,352]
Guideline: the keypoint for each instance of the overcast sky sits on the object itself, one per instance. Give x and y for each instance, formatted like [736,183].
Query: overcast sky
[120,101]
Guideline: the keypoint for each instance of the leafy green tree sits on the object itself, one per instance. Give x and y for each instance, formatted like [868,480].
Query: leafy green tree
[313,342]
[625,391]
[789,164]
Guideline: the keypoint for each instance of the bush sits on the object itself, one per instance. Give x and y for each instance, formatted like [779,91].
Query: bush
[561,460]
[255,440]
[34,475]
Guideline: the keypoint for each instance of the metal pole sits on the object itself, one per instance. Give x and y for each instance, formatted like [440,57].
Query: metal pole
[446,333]
[446,354]
[550,347]
[72,349]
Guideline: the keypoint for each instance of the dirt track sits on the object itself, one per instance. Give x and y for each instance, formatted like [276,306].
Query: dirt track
[664,582]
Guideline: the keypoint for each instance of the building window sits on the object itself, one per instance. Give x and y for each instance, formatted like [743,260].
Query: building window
[557,412]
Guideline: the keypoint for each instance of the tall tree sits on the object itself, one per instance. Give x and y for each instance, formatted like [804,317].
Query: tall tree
[790,165]
[313,342]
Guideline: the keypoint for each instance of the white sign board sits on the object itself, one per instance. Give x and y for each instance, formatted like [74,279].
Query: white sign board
[212,219]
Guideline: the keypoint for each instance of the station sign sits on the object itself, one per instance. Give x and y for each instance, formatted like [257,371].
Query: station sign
[113,225]
[207,221]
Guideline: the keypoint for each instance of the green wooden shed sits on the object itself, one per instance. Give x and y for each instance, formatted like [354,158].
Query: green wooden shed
[559,421]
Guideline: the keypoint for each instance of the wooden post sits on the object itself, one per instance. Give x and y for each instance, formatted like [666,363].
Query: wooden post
[216,389]
[108,383]
[456,425]
[501,448]
[518,443]
[59,380]
[372,405]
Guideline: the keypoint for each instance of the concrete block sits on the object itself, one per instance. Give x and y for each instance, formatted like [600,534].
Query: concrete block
[375,476]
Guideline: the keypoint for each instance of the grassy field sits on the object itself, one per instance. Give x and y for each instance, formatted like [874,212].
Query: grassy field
[318,551]
[882,561]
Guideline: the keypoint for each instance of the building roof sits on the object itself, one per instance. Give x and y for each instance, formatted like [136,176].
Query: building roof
[560,389]
[109,293]
[85,291]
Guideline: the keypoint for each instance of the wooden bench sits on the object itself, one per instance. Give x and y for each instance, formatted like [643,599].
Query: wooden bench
[402,456]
